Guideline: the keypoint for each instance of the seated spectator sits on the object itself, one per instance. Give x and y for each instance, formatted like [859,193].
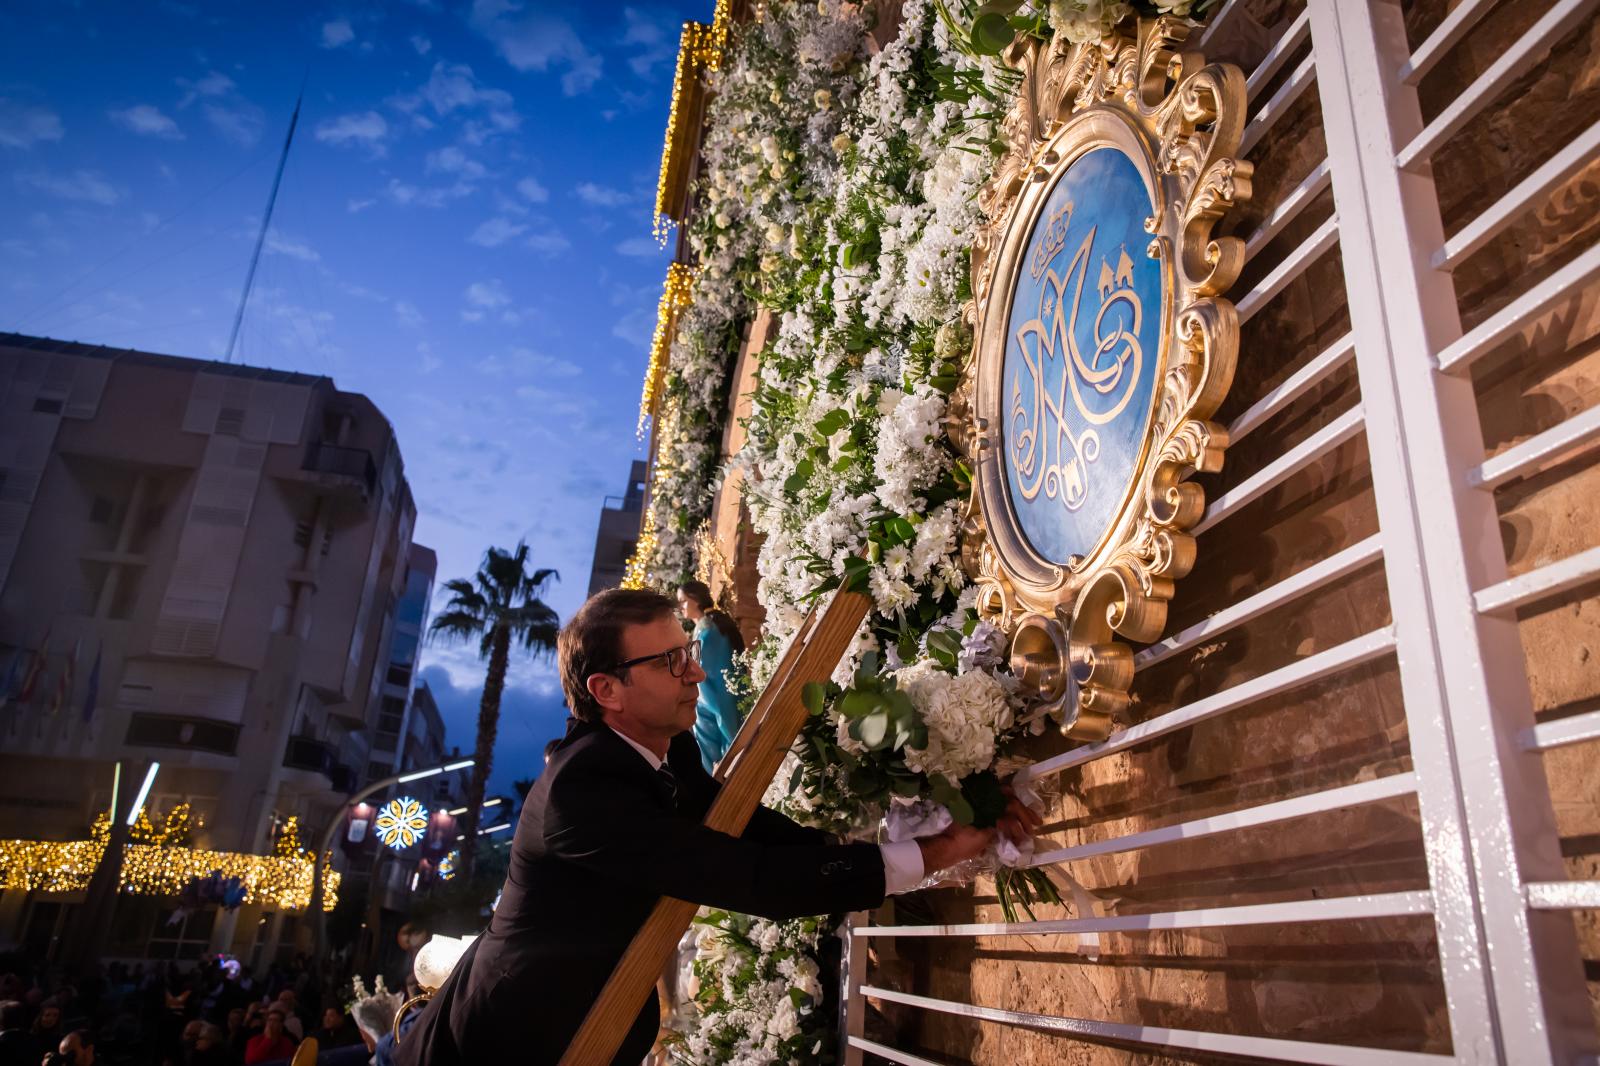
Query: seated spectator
[272,1043]
[47,1028]
[337,1030]
[291,1016]
[210,1048]
[17,1045]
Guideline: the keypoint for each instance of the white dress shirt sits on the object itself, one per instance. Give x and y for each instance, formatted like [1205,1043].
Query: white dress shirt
[902,862]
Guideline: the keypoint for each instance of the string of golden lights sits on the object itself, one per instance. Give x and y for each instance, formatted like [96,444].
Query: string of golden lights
[157,863]
[676,295]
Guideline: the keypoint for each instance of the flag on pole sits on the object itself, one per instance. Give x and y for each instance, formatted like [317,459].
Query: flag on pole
[30,680]
[94,684]
[64,683]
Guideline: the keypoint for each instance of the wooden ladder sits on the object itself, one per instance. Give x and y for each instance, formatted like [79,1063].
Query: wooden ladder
[748,768]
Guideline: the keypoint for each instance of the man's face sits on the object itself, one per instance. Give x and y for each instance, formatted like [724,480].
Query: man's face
[72,1049]
[274,1023]
[649,700]
[331,1018]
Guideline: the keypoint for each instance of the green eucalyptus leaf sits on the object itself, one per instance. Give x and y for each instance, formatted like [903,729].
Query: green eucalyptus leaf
[814,696]
[873,729]
[991,32]
[856,703]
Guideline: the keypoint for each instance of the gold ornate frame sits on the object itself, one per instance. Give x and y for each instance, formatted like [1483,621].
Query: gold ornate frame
[1180,120]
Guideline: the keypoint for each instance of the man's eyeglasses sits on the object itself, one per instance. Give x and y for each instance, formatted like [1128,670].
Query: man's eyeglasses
[678,659]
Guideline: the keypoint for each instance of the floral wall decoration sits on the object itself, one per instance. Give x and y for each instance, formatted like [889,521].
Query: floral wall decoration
[839,188]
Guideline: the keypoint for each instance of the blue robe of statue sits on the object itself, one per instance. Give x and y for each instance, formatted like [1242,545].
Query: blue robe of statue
[716,714]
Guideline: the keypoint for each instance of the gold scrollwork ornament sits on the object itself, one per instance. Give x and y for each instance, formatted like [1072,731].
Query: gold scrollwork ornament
[1071,623]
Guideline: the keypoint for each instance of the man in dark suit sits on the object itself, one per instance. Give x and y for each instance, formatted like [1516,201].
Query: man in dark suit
[612,824]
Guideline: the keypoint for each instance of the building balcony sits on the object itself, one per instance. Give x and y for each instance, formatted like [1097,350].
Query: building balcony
[340,469]
[318,756]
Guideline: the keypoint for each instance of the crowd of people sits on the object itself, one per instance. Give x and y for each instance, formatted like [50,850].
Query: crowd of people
[211,1013]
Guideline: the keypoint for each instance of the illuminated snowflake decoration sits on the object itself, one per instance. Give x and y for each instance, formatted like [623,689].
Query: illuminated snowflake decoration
[402,822]
[447,866]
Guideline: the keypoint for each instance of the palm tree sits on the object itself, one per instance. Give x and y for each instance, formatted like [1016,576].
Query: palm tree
[498,605]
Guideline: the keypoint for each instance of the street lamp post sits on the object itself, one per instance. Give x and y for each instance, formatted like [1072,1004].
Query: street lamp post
[319,917]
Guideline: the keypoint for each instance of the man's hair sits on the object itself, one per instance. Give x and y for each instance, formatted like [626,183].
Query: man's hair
[591,643]
[85,1037]
[13,1015]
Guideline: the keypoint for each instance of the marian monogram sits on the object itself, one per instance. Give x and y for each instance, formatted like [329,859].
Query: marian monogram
[1080,356]
[1103,345]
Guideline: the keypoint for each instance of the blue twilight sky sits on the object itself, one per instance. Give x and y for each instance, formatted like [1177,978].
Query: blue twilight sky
[462,234]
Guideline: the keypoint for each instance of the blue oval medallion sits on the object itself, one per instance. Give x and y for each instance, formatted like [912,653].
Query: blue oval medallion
[1082,347]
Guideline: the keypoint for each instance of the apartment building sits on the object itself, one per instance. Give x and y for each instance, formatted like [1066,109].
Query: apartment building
[618,532]
[205,565]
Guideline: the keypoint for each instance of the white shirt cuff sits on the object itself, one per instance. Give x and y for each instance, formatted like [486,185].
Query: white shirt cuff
[902,866]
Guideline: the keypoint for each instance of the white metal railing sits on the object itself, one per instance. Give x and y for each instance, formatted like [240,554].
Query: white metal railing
[1294,386]
[1497,894]
[1279,104]
[1331,799]
[1562,731]
[1184,1039]
[1294,264]
[1538,452]
[1562,17]
[1313,577]
[1288,209]
[1297,34]
[1334,909]
[1282,468]
[1362,649]
[1445,37]
[1547,580]
[1557,169]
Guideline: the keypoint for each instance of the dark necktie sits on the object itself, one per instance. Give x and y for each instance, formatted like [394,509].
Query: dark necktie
[670,780]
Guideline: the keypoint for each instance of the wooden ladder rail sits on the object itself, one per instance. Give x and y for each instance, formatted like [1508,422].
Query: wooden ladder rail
[758,751]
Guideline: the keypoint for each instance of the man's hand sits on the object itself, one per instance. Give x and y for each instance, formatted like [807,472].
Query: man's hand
[957,843]
[1019,821]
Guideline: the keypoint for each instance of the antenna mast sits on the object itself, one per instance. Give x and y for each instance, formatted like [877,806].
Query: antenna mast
[266,220]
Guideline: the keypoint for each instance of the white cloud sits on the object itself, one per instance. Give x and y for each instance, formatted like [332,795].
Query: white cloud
[87,186]
[405,194]
[601,195]
[421,44]
[454,87]
[654,44]
[368,128]
[281,243]
[24,125]
[530,40]
[640,248]
[489,294]
[240,123]
[215,83]
[430,362]
[525,362]
[453,160]
[637,327]
[336,33]
[147,121]
[532,191]
[357,206]
[406,313]
[548,243]
[497,231]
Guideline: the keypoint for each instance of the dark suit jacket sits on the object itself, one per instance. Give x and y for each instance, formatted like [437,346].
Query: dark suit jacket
[599,841]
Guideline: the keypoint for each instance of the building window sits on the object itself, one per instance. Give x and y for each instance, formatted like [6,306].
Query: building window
[102,512]
[230,421]
[173,731]
[391,714]
[377,771]
[46,406]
